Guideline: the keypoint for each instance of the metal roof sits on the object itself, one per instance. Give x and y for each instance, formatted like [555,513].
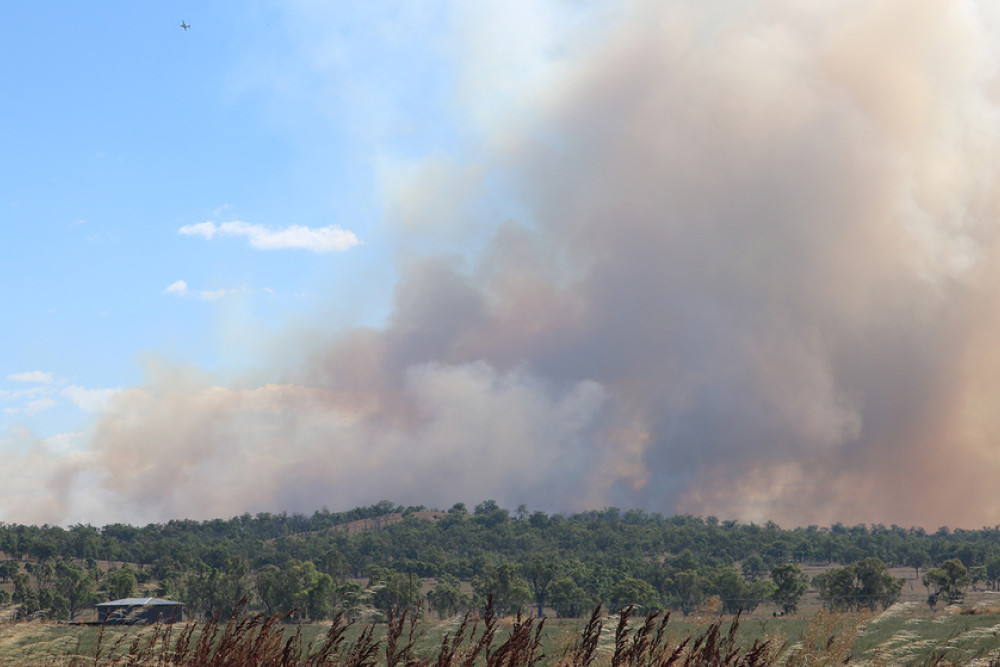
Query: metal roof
[138,602]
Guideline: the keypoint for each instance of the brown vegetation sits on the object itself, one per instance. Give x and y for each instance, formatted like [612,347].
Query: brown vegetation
[254,640]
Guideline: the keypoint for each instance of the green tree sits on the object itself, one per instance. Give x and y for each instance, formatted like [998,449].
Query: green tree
[347,598]
[541,570]
[319,597]
[687,587]
[447,598]
[753,567]
[731,589]
[276,589]
[948,581]
[836,588]
[8,569]
[632,591]
[234,585]
[993,571]
[505,584]
[397,591]
[490,515]
[568,599]
[25,596]
[790,584]
[76,585]
[758,592]
[916,557]
[120,583]
[977,573]
[313,590]
[201,591]
[218,592]
[875,587]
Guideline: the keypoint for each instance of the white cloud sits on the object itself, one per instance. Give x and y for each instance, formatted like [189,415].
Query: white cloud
[89,400]
[180,288]
[39,405]
[317,239]
[205,229]
[32,376]
[212,295]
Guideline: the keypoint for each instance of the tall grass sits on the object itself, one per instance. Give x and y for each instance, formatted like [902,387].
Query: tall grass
[482,639]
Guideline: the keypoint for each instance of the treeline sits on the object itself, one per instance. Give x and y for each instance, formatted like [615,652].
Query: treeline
[523,559]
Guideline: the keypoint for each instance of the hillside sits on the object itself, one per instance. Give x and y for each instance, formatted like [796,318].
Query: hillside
[368,559]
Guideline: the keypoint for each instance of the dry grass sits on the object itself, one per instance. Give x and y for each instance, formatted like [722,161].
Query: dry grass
[484,640]
[828,640]
[477,641]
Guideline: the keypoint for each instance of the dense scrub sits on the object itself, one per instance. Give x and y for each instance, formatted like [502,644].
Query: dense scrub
[373,558]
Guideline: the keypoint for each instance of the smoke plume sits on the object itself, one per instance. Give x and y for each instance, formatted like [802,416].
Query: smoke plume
[754,272]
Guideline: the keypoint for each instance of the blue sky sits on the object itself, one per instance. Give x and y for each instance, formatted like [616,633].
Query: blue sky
[119,128]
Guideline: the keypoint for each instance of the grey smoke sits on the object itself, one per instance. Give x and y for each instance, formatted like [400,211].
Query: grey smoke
[756,276]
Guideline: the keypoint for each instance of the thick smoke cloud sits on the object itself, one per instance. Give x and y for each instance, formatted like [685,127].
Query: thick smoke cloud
[755,273]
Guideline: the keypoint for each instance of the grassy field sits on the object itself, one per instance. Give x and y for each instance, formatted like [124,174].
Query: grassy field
[904,635]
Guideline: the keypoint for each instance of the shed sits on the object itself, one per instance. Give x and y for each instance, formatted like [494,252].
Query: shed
[139,611]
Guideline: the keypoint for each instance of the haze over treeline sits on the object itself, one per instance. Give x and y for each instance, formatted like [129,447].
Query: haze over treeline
[726,258]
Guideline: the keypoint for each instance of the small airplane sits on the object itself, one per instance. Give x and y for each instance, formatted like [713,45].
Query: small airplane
[184,25]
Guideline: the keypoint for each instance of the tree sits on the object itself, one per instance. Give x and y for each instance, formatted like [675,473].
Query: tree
[119,583]
[487,507]
[505,584]
[8,569]
[489,514]
[916,557]
[758,592]
[276,588]
[567,598]
[24,594]
[313,590]
[948,581]
[76,586]
[875,586]
[347,598]
[335,565]
[201,591]
[632,591]
[731,589]
[753,567]
[687,587]
[866,584]
[836,588]
[447,598]
[977,573]
[218,592]
[398,590]
[993,571]
[790,584]
[234,585]
[541,570]
[319,597]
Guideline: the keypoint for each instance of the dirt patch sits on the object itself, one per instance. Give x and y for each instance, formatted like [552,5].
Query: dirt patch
[380,522]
